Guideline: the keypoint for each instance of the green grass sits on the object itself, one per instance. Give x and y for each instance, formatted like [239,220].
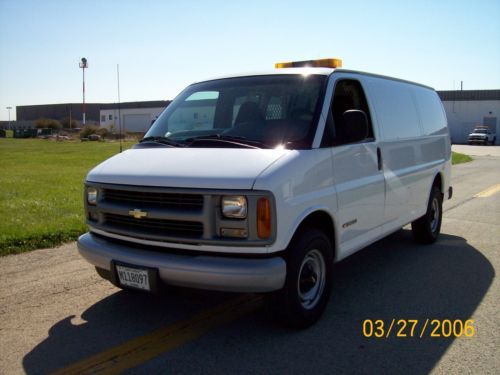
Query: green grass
[41,190]
[457,158]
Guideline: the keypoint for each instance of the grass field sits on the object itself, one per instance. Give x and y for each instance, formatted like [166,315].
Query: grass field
[457,158]
[41,190]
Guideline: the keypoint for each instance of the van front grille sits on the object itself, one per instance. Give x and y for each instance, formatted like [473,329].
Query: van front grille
[154,199]
[156,227]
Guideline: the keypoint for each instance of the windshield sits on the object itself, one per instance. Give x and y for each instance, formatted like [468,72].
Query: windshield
[481,131]
[257,111]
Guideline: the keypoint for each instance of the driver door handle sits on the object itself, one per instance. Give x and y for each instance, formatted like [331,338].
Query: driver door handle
[379,159]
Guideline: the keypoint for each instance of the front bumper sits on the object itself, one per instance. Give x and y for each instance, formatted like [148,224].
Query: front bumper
[194,271]
[479,140]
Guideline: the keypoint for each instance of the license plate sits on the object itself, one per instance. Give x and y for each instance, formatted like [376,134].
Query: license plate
[133,277]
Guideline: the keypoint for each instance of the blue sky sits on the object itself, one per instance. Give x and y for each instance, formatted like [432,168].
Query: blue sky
[162,46]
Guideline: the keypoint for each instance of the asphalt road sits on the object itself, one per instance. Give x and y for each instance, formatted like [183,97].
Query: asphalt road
[55,311]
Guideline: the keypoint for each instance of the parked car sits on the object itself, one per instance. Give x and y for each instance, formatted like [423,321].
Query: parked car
[300,167]
[482,135]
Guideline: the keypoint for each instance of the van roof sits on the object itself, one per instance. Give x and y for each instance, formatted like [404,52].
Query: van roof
[284,71]
[310,70]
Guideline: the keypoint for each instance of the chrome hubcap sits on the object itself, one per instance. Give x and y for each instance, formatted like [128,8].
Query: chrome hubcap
[434,214]
[312,277]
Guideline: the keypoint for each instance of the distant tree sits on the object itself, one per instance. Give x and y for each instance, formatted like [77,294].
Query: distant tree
[41,122]
[88,130]
[54,124]
[103,132]
[66,125]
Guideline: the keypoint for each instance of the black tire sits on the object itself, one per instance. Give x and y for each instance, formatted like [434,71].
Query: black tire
[427,228]
[309,259]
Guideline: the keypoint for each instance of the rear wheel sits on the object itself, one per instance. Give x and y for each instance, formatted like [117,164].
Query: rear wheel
[308,281]
[427,228]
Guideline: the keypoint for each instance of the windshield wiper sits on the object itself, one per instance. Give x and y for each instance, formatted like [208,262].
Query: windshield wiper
[236,140]
[162,140]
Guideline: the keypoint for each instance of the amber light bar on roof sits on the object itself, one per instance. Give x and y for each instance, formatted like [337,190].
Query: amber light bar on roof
[321,63]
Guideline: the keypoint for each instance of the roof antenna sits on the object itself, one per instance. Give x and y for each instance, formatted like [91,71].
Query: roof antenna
[119,109]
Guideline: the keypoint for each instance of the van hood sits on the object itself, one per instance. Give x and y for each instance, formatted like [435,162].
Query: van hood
[209,168]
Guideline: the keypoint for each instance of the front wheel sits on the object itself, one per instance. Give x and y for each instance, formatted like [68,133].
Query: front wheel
[308,281]
[427,228]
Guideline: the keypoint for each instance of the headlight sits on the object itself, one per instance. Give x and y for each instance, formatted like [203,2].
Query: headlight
[234,206]
[92,195]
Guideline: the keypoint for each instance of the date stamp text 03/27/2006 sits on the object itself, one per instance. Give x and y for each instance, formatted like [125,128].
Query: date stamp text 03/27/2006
[408,328]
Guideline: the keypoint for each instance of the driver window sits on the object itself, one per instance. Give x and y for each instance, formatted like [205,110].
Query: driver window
[348,95]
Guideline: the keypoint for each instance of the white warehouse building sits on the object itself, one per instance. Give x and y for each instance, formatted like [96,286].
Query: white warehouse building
[134,117]
[469,108]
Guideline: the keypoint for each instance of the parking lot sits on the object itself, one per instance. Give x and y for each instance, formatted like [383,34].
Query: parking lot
[478,150]
[57,314]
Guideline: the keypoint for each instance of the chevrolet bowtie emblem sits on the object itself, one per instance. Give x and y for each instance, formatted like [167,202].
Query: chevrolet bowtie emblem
[137,213]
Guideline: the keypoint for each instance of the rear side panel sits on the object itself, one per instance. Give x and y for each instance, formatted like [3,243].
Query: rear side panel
[415,146]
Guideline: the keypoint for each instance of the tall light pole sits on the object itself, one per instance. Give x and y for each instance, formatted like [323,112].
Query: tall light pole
[8,109]
[83,64]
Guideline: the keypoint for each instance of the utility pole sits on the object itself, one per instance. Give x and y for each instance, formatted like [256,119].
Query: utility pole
[119,104]
[8,109]
[83,64]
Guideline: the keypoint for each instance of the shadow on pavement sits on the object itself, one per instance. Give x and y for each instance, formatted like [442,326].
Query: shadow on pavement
[394,278]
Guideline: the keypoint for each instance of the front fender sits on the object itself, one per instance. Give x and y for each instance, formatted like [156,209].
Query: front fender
[305,215]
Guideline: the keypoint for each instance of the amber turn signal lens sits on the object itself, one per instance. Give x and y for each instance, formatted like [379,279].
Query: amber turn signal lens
[263,218]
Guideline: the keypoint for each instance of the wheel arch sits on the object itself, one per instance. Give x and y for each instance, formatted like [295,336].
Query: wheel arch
[318,218]
[440,181]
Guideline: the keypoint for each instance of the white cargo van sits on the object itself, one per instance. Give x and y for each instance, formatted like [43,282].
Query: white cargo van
[259,183]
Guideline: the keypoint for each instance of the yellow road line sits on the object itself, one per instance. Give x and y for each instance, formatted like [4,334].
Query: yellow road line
[488,192]
[139,350]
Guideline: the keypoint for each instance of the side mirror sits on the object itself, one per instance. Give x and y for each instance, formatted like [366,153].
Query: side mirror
[354,126]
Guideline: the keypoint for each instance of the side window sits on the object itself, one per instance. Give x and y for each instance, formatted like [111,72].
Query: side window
[348,95]
[430,110]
